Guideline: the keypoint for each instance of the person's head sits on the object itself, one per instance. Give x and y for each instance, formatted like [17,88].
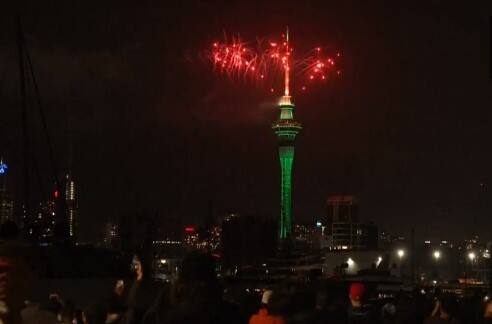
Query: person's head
[119,287]
[356,293]
[266,298]
[488,310]
[94,315]
[53,304]
[138,269]
[388,311]
[448,305]
[198,267]
[197,277]
[67,312]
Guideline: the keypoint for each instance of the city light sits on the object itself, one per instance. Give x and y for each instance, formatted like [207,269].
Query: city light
[3,167]
[437,255]
[471,256]
[380,259]
[163,261]
[350,262]
[401,253]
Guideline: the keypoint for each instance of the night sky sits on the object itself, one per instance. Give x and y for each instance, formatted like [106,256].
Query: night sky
[406,128]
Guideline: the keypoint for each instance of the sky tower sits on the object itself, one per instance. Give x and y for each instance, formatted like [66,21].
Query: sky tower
[286,130]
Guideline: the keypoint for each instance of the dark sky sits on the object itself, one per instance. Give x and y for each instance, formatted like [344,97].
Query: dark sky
[406,128]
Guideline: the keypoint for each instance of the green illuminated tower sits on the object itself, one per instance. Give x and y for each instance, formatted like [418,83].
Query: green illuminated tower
[286,129]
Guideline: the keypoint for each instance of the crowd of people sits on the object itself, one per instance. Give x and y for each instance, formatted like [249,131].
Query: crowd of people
[198,296]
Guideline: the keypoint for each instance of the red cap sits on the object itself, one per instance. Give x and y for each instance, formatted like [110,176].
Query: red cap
[357,291]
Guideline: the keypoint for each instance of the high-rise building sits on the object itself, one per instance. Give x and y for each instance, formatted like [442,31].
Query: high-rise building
[111,236]
[6,204]
[71,201]
[286,130]
[354,236]
[343,226]
[342,209]
[191,238]
[6,208]
[43,224]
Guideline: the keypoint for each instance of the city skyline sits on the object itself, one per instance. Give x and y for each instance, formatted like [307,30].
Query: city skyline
[404,129]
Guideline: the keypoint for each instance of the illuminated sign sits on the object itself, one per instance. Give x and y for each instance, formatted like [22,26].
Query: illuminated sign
[189,229]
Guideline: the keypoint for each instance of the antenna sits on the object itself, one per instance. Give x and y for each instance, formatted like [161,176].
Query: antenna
[287,65]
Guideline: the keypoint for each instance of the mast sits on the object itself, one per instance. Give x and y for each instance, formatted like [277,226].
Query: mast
[24,60]
[25,136]
[287,66]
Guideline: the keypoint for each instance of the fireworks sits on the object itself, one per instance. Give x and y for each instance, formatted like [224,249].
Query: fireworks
[235,59]
[266,63]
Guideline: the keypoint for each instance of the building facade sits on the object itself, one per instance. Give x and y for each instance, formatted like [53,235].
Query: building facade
[6,207]
[71,203]
[6,204]
[344,229]
[111,236]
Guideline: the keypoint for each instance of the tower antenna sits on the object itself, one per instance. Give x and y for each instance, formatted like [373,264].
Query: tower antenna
[287,65]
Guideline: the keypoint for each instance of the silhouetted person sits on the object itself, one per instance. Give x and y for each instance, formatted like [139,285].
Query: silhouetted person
[94,314]
[16,277]
[116,303]
[196,297]
[407,309]
[263,316]
[487,314]
[67,313]
[327,310]
[158,310]
[444,311]
[358,312]
[140,296]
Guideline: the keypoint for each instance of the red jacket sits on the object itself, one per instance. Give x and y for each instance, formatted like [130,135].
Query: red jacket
[264,318]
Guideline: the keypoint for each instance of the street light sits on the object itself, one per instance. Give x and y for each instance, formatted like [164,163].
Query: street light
[436,255]
[350,262]
[378,261]
[471,256]
[401,253]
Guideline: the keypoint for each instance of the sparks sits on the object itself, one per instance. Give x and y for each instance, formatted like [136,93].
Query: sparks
[234,59]
[266,62]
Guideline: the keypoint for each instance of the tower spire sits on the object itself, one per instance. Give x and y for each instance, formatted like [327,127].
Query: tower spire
[286,62]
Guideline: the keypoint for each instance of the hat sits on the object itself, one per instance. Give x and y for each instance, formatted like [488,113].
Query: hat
[267,295]
[356,291]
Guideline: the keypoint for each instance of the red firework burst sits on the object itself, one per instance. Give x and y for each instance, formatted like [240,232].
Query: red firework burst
[267,62]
